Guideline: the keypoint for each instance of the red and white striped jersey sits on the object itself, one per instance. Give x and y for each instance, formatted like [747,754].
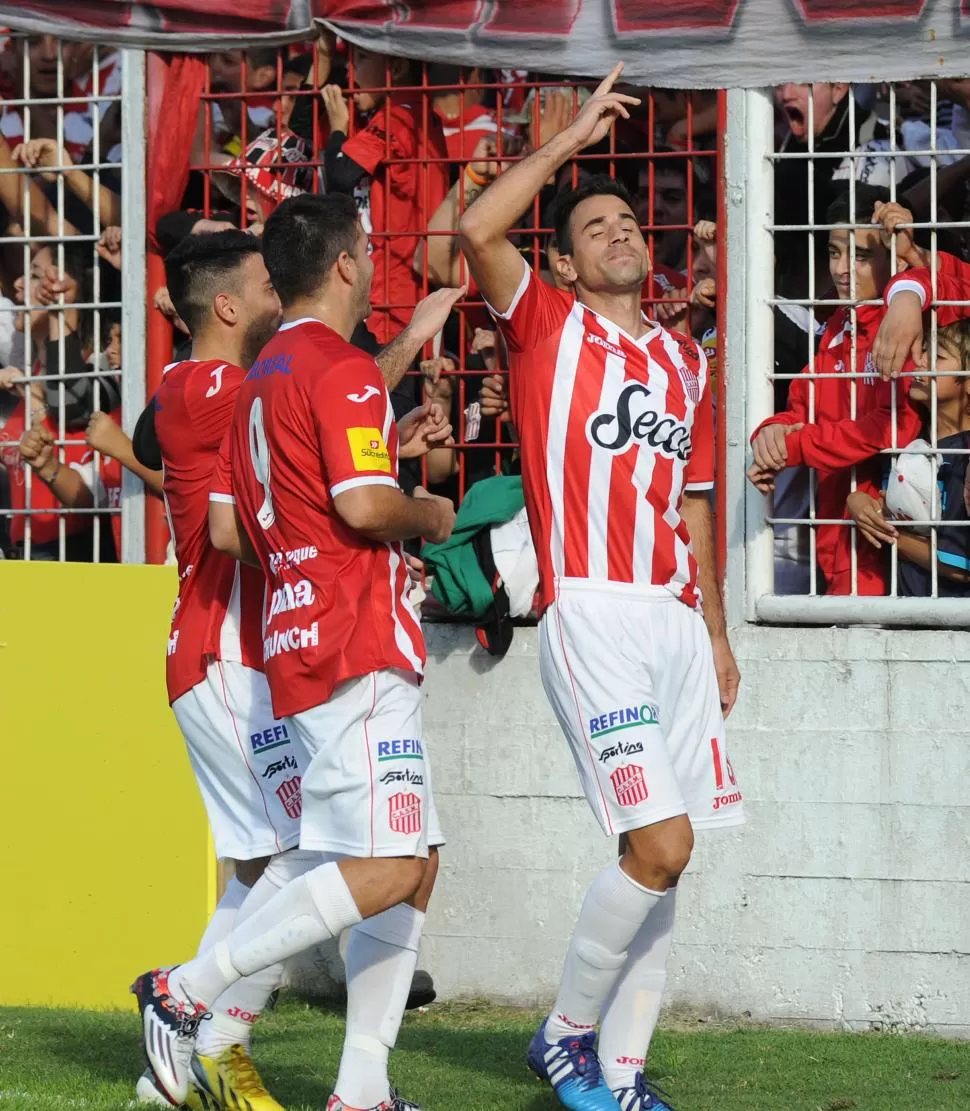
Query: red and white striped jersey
[219,611]
[613,431]
[314,419]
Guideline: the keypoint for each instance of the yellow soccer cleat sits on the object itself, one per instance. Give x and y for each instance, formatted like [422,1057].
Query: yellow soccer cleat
[231,1080]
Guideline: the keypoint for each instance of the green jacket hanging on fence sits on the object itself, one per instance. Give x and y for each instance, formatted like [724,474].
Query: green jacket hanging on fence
[459,582]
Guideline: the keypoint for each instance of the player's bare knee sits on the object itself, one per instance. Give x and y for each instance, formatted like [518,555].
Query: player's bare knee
[407,877]
[422,897]
[249,871]
[656,856]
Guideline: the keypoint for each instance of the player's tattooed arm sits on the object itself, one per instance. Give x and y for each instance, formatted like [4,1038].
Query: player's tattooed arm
[228,535]
[430,316]
[699,518]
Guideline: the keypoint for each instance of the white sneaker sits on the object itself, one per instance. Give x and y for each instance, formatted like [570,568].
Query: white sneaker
[148,1092]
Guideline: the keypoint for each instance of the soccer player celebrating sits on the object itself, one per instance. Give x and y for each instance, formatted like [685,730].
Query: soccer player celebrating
[313,498]
[248,765]
[615,419]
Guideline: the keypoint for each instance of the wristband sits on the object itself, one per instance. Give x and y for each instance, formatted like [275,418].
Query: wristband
[53,478]
[476,178]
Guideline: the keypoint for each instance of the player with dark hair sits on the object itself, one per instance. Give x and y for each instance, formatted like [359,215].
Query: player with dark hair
[247,765]
[307,487]
[616,424]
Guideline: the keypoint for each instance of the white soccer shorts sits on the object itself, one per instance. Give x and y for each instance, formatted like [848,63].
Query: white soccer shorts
[367,788]
[248,764]
[629,672]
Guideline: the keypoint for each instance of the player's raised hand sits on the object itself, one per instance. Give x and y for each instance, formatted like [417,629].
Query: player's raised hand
[432,312]
[601,111]
[445,514]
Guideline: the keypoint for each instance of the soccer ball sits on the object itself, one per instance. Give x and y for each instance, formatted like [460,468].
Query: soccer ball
[909,495]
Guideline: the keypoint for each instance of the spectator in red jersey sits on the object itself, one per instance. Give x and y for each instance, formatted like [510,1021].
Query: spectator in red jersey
[819,428]
[393,195]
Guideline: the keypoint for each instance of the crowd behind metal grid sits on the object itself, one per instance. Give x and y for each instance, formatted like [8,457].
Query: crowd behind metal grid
[415,143]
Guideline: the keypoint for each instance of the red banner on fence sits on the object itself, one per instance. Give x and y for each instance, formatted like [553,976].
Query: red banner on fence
[690,43]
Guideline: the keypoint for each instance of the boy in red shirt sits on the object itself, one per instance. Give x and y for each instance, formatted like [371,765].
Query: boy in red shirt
[391,170]
[827,428]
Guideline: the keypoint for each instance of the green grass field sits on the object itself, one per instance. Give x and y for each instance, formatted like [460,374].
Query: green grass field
[470,1058]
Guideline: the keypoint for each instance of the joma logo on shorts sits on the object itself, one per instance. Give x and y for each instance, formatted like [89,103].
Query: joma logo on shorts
[727,800]
[629,717]
[399,750]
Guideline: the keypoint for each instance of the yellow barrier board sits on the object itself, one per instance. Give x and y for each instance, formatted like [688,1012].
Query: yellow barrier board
[106,865]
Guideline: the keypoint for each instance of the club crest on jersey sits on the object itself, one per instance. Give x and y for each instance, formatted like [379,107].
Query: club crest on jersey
[291,796]
[629,785]
[404,813]
[633,421]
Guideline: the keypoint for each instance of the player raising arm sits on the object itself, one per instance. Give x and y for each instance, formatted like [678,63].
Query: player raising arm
[616,423]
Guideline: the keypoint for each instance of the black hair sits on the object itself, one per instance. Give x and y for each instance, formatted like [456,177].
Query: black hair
[304,237]
[197,267]
[300,65]
[866,199]
[257,57]
[568,200]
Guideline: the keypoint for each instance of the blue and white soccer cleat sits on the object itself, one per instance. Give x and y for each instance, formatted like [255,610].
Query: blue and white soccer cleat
[573,1069]
[169,1029]
[643,1096]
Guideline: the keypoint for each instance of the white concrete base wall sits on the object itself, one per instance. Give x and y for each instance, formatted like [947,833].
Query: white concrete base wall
[844,901]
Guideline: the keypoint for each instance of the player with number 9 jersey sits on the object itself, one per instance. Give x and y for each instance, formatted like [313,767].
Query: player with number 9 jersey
[314,419]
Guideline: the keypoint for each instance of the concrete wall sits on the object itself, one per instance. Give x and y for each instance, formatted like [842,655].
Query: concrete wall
[844,901]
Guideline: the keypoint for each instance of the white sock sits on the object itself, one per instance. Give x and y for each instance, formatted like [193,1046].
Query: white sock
[239,1006]
[311,908]
[224,916]
[614,909]
[381,956]
[633,1008]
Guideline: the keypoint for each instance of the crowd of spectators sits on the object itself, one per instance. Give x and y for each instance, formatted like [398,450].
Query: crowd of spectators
[835,450]
[415,144]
